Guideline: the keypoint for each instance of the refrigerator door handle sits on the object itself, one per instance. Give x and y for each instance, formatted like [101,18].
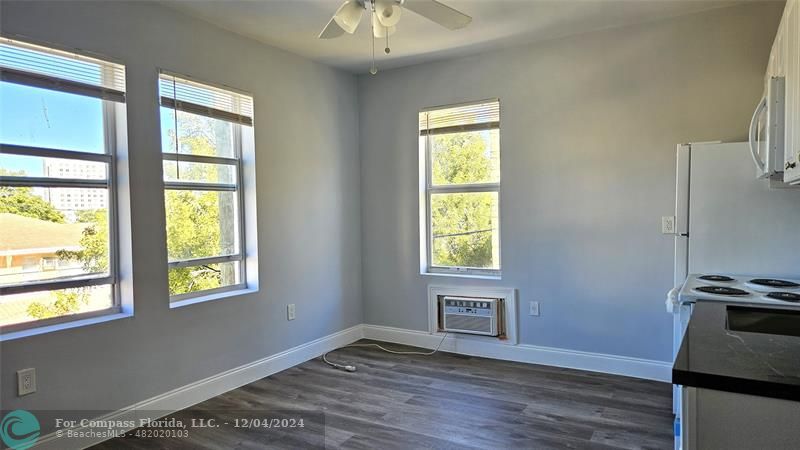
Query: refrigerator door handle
[760,165]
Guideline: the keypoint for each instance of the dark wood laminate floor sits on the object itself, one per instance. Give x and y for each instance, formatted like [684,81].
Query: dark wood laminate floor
[444,401]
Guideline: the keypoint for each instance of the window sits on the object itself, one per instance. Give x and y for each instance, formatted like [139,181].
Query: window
[203,129]
[58,116]
[460,148]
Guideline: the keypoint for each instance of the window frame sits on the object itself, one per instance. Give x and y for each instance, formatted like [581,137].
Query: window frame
[238,187]
[108,157]
[431,189]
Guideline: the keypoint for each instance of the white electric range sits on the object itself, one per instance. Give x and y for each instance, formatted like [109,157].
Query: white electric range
[727,288]
[749,289]
[741,288]
[731,289]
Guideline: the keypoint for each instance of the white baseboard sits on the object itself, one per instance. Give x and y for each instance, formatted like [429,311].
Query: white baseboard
[533,354]
[191,394]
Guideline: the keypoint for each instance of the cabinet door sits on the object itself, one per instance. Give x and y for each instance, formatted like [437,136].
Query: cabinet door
[777,56]
[790,29]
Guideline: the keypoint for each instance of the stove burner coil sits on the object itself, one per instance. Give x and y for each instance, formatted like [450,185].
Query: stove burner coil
[785,296]
[722,290]
[774,283]
[720,278]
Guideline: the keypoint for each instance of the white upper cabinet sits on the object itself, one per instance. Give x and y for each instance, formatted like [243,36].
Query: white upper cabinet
[785,62]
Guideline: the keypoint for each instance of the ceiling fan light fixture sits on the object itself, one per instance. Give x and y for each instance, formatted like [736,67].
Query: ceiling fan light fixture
[349,15]
[379,30]
[384,15]
[388,12]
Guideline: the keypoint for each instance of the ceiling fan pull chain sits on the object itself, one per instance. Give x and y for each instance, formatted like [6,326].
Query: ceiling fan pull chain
[373,70]
[387,50]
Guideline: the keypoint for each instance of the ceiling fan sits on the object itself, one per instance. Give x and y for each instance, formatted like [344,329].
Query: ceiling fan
[384,16]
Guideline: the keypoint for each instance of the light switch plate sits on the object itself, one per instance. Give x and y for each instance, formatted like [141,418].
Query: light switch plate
[533,309]
[290,312]
[26,381]
[668,225]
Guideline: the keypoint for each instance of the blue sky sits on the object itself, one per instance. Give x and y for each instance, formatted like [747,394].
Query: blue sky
[37,117]
[50,119]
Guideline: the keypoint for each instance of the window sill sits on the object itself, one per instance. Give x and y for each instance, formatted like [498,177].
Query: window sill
[212,297]
[44,329]
[474,276]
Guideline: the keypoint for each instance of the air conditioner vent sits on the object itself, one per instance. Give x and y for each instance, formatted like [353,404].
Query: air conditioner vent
[470,315]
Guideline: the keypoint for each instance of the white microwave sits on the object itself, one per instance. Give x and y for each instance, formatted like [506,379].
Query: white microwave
[767,132]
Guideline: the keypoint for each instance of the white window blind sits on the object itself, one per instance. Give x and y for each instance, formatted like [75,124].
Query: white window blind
[196,98]
[471,117]
[33,65]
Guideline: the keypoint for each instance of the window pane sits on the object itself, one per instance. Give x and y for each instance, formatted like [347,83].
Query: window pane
[35,166]
[36,117]
[32,306]
[464,230]
[199,172]
[50,233]
[197,135]
[465,158]
[201,224]
[183,280]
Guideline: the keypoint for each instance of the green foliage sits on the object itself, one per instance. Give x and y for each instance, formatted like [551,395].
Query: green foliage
[199,223]
[85,216]
[462,229]
[67,301]
[193,231]
[94,258]
[21,201]
[463,224]
[192,279]
[462,158]
[94,242]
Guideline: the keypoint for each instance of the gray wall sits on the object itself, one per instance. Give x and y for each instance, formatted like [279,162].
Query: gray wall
[589,127]
[307,166]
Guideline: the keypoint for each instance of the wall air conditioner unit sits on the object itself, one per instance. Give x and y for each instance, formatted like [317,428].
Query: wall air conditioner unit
[470,315]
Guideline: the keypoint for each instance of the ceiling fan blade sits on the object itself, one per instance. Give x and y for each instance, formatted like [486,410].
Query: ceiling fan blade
[345,20]
[331,30]
[349,15]
[439,13]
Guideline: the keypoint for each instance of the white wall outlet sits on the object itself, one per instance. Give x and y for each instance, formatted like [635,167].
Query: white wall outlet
[290,313]
[26,381]
[668,225]
[533,309]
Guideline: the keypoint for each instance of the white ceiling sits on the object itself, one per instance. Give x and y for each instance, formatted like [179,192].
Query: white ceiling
[293,25]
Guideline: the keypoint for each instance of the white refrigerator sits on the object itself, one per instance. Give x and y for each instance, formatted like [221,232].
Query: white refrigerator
[730,222]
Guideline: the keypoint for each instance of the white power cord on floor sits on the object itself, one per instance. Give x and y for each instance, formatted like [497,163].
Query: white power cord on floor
[352,368]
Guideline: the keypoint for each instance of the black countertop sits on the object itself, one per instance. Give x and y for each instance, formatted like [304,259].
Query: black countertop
[713,357]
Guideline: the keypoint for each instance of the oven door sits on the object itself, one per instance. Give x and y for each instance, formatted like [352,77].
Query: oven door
[681,314]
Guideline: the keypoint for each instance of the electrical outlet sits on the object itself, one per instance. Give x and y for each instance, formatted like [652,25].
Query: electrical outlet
[290,313]
[26,381]
[668,225]
[533,309]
